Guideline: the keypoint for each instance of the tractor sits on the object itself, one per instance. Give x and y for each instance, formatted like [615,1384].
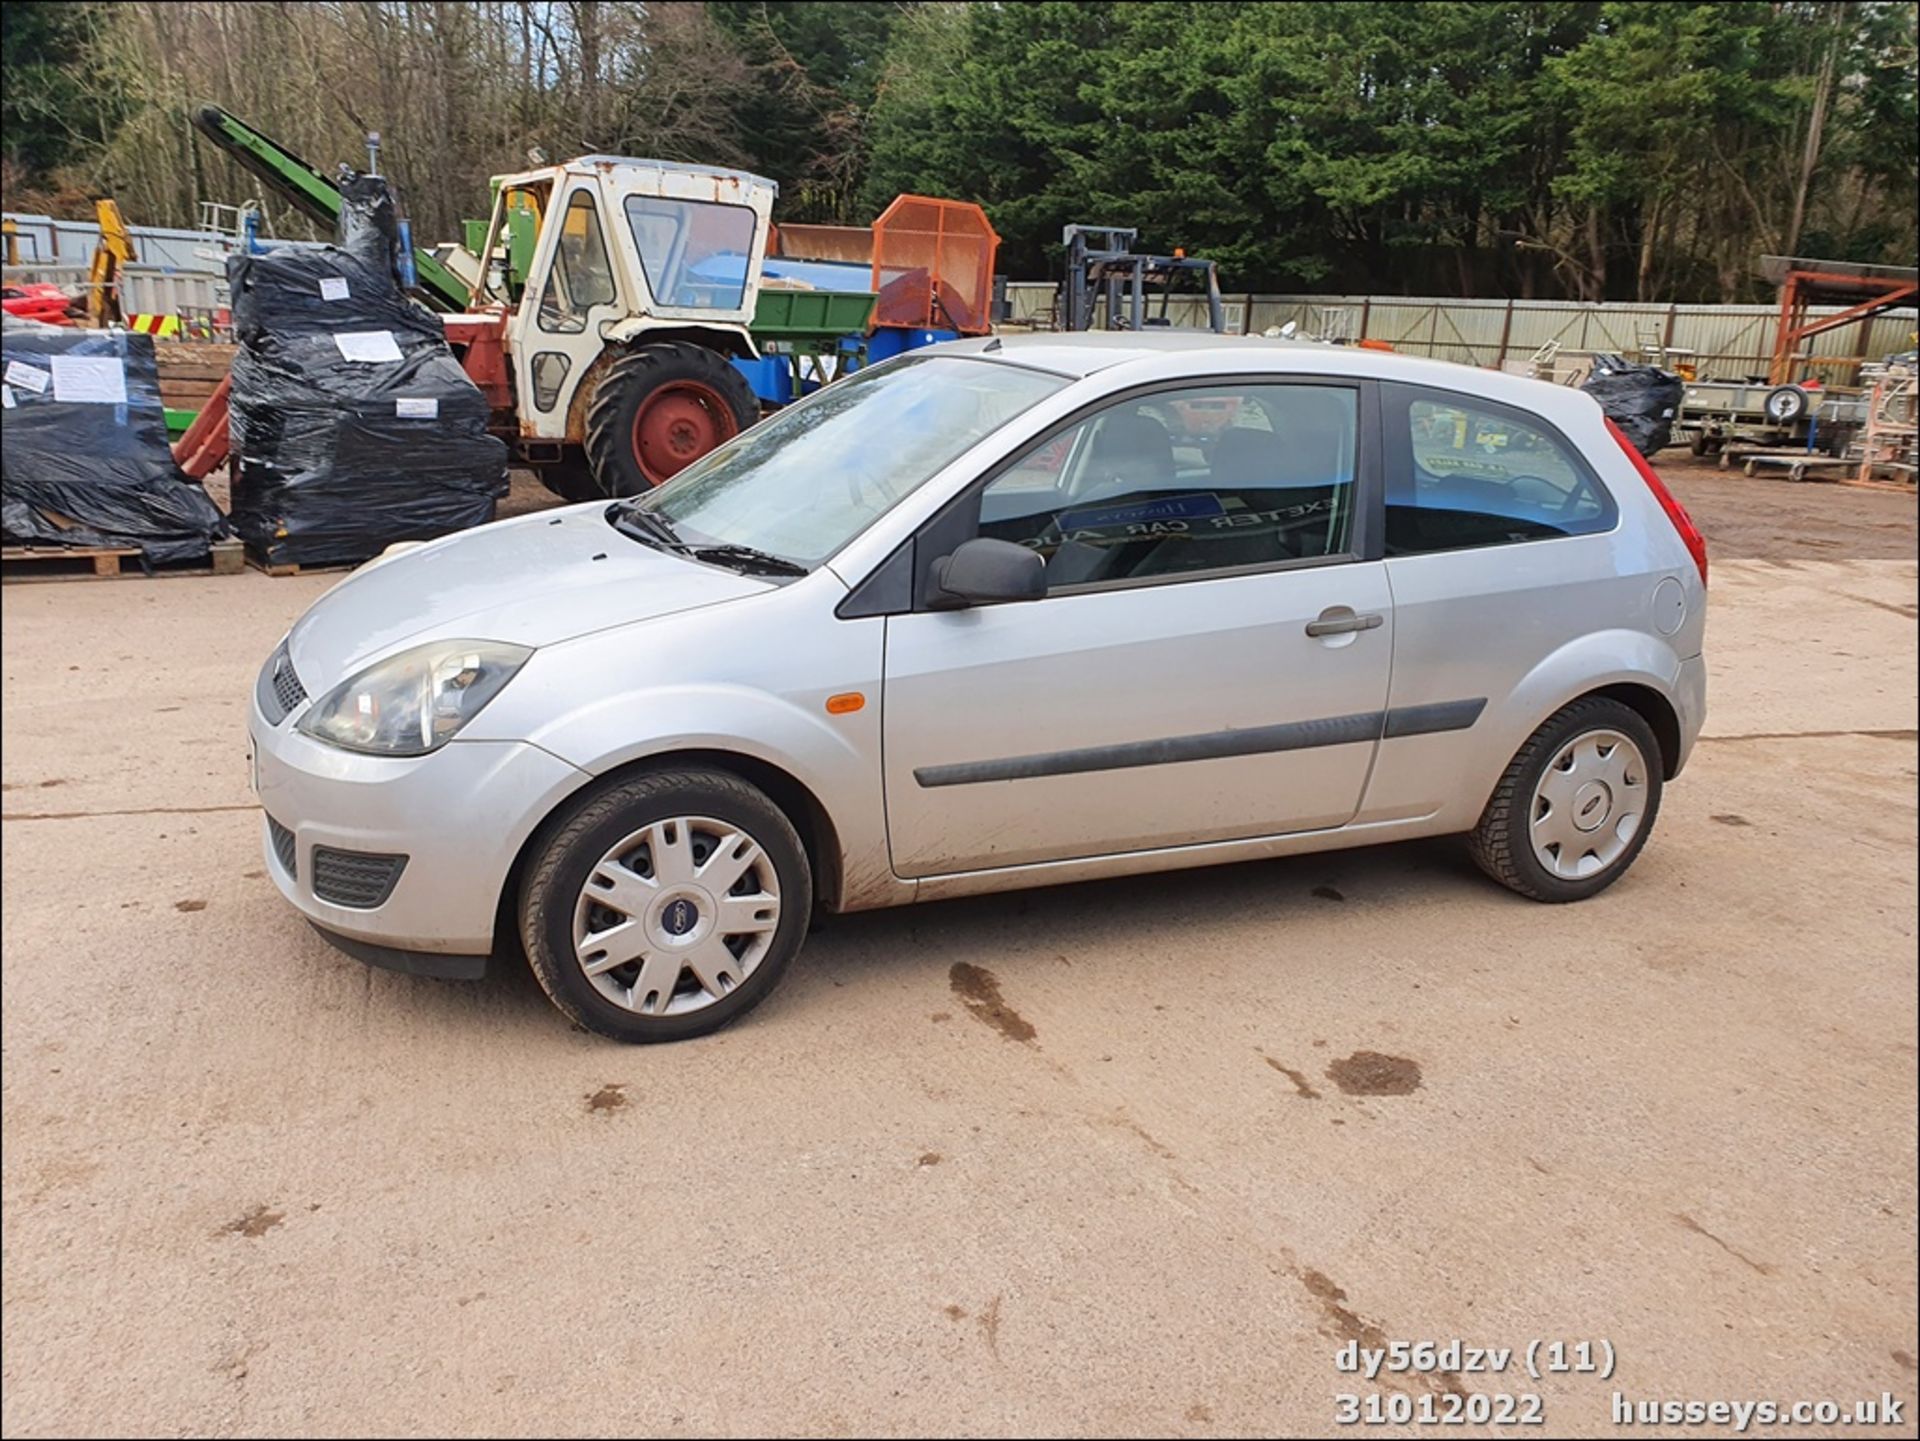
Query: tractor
[623,318]
[610,298]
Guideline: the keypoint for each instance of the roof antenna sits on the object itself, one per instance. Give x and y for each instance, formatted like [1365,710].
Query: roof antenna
[993,344]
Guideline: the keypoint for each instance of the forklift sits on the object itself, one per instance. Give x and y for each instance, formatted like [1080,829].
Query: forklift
[1107,284]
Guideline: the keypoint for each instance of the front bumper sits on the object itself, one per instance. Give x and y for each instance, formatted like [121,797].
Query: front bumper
[459,816]
[412,963]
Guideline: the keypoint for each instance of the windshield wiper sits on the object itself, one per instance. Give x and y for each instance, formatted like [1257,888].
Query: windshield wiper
[747,558]
[644,525]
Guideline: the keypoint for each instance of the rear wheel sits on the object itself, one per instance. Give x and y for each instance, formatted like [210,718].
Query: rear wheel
[660,408]
[1574,806]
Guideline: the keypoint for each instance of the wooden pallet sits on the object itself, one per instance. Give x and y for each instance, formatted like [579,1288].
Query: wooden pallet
[290,567]
[58,561]
[51,562]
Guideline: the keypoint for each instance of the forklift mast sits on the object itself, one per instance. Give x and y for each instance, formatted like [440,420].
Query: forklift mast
[1107,281]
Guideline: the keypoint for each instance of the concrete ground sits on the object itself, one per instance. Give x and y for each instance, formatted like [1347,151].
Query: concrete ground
[1124,1157]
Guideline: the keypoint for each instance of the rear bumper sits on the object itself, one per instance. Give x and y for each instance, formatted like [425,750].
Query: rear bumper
[1690,704]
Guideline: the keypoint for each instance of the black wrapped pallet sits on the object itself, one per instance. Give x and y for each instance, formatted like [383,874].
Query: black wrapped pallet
[85,460]
[369,225]
[353,425]
[1642,400]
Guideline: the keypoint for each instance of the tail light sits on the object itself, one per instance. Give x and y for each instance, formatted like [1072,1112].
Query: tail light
[1696,543]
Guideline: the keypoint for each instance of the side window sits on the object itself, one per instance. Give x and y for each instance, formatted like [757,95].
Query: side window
[1185,482]
[550,369]
[581,277]
[1473,476]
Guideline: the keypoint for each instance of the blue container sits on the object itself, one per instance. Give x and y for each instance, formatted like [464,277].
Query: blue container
[771,377]
[886,342]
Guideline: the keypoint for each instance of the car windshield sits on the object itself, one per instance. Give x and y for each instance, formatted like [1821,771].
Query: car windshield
[802,484]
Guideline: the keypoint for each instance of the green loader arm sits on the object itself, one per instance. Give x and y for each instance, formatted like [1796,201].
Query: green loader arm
[313,194]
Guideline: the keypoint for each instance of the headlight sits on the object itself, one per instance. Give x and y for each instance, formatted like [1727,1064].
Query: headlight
[416,701]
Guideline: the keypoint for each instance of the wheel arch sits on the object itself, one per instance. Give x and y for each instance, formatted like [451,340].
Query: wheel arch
[729,340]
[819,837]
[1662,718]
[1629,666]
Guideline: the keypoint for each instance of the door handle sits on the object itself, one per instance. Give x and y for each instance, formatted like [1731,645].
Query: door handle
[1341,625]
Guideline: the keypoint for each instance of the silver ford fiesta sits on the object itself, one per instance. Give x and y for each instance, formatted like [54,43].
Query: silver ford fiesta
[996,614]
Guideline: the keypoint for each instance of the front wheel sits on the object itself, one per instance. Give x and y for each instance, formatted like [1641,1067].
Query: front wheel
[1575,806]
[666,905]
[660,408]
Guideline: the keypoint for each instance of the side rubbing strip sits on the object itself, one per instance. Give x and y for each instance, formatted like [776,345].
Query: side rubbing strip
[1422,720]
[1215,745]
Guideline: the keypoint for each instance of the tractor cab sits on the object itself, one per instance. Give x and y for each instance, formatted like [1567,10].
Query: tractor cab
[628,287]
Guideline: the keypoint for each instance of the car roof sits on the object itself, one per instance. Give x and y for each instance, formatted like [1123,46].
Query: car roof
[1146,355]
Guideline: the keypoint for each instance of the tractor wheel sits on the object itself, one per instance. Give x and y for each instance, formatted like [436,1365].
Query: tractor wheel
[660,408]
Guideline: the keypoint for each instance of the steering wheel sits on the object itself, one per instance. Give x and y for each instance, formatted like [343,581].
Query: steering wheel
[1562,502]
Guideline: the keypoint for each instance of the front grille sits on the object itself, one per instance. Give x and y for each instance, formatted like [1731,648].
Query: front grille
[279,690]
[361,879]
[283,847]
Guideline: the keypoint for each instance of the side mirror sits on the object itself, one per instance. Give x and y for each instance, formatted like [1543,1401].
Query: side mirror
[985,572]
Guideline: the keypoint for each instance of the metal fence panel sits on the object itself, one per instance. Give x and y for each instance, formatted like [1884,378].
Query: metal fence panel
[1724,341]
[45,240]
[144,290]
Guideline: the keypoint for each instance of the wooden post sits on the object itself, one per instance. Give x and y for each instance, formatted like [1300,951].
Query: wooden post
[1506,330]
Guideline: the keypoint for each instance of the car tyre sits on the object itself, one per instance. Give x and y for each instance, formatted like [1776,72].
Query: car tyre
[689,806]
[1618,786]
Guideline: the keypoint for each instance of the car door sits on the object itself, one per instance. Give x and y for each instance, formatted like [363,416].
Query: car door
[1210,660]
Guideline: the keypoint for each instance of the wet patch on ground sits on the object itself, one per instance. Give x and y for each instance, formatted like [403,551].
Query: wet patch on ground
[1342,1323]
[610,1097]
[1301,1085]
[1370,1073]
[979,991]
[253,1225]
[1741,1256]
[990,1326]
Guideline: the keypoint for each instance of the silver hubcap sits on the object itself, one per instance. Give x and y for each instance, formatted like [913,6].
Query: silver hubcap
[676,916]
[1589,804]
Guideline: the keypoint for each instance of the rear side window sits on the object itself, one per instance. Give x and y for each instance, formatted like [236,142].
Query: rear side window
[1463,473]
